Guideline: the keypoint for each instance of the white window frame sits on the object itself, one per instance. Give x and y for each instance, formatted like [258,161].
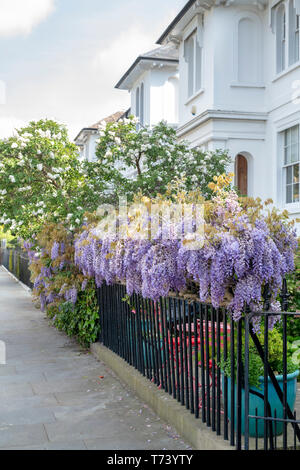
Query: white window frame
[194,33]
[297,38]
[140,103]
[294,39]
[291,164]
[281,38]
[288,45]
[137,102]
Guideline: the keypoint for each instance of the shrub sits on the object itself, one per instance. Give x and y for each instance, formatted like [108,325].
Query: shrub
[256,365]
[80,320]
[147,160]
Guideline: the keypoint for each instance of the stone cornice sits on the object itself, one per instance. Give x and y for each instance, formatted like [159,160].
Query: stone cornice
[211,114]
[194,7]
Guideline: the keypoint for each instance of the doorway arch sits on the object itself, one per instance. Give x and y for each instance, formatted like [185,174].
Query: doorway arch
[242,174]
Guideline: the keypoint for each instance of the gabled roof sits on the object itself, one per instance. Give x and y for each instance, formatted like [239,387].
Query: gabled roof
[167,54]
[176,20]
[112,118]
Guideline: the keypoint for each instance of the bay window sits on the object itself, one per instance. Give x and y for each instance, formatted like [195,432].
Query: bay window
[281,38]
[287,28]
[193,58]
[293,34]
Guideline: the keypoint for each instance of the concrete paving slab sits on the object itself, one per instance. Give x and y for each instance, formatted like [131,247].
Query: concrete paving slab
[15,391]
[77,445]
[22,435]
[56,396]
[26,416]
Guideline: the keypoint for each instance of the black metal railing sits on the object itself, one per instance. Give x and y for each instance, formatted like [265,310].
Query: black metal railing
[200,356]
[16,261]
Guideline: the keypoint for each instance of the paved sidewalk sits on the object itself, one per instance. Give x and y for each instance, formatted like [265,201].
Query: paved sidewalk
[55,396]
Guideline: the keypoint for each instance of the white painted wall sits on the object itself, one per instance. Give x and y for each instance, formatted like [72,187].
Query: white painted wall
[92,144]
[160,93]
[88,149]
[243,116]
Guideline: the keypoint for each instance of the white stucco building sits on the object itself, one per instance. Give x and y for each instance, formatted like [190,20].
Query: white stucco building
[152,81]
[239,89]
[87,138]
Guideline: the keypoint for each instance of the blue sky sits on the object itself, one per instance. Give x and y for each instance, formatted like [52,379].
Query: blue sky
[61,58]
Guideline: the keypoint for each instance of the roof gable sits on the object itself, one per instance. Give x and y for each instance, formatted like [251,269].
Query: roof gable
[167,54]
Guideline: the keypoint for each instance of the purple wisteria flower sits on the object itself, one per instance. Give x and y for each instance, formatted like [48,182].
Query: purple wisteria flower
[240,255]
[71,295]
[55,251]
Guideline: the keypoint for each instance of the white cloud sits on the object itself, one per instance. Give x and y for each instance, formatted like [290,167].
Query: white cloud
[8,126]
[73,81]
[21,16]
[123,50]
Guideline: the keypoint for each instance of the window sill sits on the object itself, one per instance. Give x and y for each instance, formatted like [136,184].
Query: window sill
[292,208]
[286,71]
[247,85]
[193,97]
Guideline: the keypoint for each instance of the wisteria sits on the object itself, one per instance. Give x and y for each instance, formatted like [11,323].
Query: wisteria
[245,247]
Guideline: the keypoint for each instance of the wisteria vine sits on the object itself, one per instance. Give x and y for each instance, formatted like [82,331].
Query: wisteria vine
[245,248]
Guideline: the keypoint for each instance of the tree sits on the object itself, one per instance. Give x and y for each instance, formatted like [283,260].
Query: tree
[42,179]
[145,160]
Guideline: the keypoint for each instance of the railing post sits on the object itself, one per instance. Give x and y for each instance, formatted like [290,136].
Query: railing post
[246,377]
[284,305]
[239,386]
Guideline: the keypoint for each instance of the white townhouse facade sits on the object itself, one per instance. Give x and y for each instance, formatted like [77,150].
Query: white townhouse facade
[153,84]
[239,89]
[87,138]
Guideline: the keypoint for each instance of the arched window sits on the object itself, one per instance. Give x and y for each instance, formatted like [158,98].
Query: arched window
[171,100]
[280,38]
[193,58]
[248,51]
[293,34]
[137,102]
[241,172]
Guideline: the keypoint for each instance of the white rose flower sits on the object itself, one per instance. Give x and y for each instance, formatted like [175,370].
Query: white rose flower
[40,166]
[12,178]
[14,145]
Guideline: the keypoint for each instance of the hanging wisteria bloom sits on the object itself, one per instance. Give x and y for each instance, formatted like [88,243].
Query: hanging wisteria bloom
[245,248]
[55,251]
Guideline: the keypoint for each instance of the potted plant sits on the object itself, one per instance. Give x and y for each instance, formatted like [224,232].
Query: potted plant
[256,384]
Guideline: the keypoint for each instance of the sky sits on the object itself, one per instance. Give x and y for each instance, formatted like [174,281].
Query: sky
[61,59]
